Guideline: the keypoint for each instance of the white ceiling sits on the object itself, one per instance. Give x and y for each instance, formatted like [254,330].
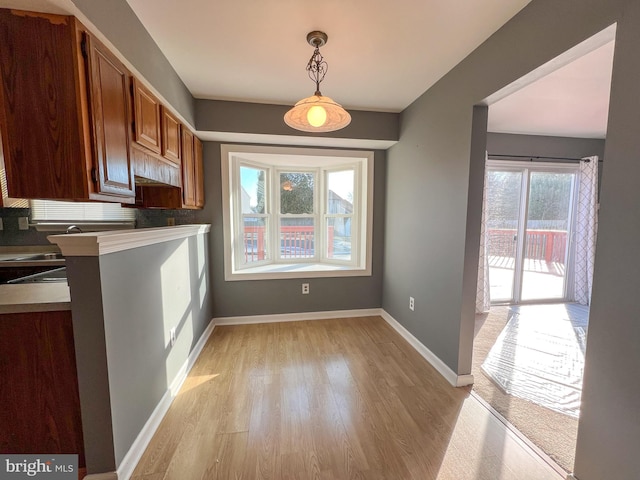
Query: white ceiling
[572,101]
[382,55]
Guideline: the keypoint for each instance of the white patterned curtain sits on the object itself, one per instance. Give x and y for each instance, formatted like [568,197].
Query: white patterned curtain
[483,299]
[586,229]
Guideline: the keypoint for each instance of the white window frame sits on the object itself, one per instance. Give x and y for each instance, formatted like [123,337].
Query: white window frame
[276,160]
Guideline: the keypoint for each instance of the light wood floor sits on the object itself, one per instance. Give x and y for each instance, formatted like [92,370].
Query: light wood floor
[331,399]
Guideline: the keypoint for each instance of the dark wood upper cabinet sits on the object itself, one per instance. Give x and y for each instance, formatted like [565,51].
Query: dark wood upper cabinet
[147,131]
[64,111]
[188,169]
[192,171]
[76,125]
[171,137]
[199,172]
[109,92]
[6,201]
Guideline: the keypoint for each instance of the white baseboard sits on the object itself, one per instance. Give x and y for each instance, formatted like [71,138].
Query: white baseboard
[131,459]
[296,317]
[452,377]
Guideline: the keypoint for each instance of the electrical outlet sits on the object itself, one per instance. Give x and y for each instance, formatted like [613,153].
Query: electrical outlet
[1,224]
[305,288]
[171,221]
[412,304]
[23,223]
[172,336]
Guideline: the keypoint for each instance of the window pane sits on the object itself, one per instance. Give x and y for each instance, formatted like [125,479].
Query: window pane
[340,192]
[252,186]
[297,238]
[255,240]
[339,238]
[545,241]
[296,192]
[502,217]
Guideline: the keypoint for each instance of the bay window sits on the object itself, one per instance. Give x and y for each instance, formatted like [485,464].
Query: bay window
[296,213]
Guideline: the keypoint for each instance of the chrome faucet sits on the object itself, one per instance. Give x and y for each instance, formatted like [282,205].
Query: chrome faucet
[74,228]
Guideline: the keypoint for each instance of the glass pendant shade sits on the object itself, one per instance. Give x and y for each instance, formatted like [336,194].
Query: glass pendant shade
[317,113]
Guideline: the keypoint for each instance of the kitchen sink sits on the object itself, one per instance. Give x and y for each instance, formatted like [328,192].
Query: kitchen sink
[20,265]
[55,275]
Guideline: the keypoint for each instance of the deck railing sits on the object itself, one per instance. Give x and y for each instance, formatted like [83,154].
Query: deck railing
[547,245]
[295,242]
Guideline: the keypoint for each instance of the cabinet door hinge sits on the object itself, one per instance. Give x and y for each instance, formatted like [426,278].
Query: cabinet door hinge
[94,175]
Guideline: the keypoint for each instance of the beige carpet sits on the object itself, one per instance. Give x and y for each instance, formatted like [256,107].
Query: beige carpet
[553,432]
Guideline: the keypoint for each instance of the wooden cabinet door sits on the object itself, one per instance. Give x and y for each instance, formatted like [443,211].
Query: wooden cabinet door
[109,90]
[39,389]
[188,170]
[199,173]
[42,136]
[146,109]
[171,137]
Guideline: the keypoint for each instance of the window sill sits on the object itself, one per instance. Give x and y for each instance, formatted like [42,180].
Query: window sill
[296,270]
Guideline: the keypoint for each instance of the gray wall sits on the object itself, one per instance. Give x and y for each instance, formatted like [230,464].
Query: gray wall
[431,178]
[262,297]
[539,145]
[258,118]
[83,274]
[609,429]
[123,306]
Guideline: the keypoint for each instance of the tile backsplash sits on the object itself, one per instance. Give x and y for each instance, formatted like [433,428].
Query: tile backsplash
[12,235]
[145,218]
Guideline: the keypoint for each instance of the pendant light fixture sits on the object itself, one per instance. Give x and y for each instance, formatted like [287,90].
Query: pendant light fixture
[317,113]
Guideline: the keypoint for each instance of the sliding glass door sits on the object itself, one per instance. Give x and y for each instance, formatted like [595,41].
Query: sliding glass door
[529,222]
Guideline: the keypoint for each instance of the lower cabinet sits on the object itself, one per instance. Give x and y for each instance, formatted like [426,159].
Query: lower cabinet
[39,385]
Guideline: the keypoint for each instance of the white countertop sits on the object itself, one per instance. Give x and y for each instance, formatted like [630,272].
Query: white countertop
[34,297]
